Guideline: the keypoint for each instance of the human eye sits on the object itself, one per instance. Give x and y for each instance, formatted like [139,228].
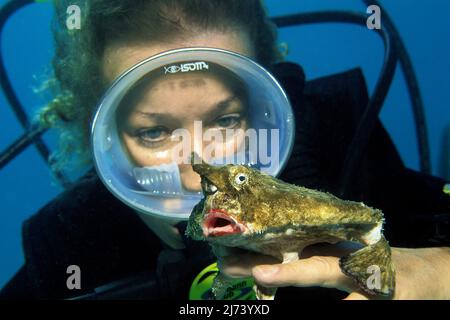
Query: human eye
[229,121]
[152,137]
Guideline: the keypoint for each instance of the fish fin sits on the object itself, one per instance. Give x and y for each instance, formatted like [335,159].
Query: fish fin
[290,256]
[372,268]
[264,293]
[222,251]
[220,285]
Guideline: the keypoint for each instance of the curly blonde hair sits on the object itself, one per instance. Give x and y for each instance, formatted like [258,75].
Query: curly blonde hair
[78,82]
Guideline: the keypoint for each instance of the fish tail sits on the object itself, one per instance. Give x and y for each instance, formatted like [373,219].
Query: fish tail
[371,267]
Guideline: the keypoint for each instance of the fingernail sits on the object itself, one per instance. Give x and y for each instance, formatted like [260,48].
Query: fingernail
[266,271]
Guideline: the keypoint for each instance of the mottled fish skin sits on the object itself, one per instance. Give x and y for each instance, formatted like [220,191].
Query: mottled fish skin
[247,209]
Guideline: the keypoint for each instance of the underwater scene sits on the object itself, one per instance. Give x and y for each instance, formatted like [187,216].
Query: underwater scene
[224,149]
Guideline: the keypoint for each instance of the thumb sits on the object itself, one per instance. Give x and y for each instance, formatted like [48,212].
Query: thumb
[314,271]
[356,296]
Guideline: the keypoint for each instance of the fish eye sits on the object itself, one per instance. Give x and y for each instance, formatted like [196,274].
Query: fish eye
[240,178]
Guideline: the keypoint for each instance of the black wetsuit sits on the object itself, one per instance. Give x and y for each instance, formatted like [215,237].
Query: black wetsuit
[120,257]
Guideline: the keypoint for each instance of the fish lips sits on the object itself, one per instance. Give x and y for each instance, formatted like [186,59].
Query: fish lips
[219,223]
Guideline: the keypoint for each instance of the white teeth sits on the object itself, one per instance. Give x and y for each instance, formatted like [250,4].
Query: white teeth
[210,188]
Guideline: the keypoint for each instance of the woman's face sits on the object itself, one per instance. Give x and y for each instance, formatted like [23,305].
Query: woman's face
[146,124]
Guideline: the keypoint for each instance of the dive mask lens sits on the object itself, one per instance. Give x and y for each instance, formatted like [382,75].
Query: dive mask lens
[141,141]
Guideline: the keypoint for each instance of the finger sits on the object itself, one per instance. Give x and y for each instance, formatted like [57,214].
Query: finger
[241,265]
[356,296]
[314,271]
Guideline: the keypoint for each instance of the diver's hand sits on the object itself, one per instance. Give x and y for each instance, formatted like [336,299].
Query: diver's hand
[420,273]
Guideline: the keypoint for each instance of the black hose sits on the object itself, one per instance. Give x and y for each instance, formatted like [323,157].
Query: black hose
[413,89]
[369,118]
[365,126]
[5,13]
[15,148]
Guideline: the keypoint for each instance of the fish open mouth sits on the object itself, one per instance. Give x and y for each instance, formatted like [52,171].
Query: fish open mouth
[218,223]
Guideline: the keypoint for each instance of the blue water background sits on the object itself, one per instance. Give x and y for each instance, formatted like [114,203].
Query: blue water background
[26,184]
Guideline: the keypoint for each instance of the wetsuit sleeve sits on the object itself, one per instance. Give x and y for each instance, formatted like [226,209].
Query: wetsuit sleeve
[88,227]
[18,287]
[46,252]
[41,244]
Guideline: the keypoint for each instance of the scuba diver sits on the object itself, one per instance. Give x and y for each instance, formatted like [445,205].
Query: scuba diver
[139,81]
